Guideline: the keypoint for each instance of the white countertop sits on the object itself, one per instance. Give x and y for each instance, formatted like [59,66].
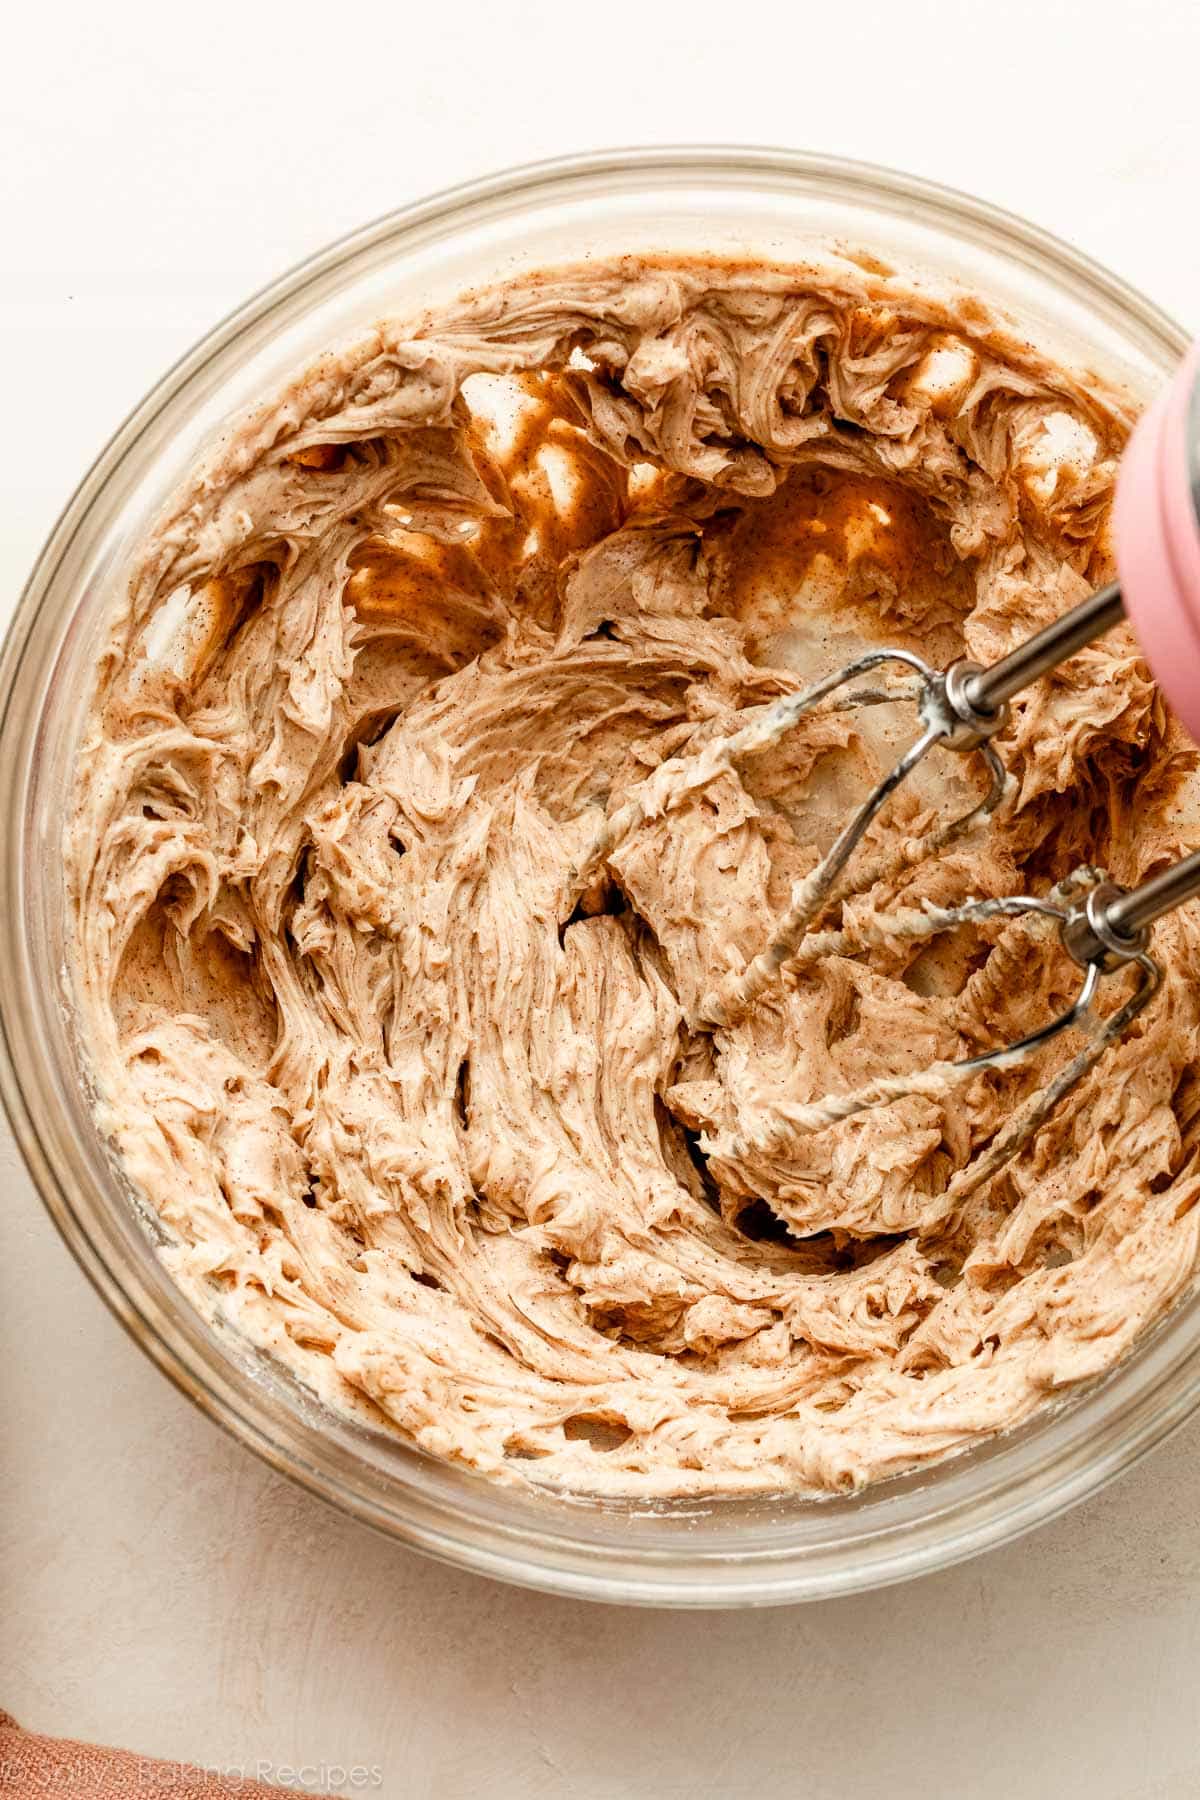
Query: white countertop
[158,1587]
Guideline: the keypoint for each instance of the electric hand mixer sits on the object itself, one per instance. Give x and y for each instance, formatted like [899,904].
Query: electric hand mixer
[1104,927]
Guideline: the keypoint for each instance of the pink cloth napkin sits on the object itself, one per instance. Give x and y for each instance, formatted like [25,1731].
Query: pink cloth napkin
[33,1768]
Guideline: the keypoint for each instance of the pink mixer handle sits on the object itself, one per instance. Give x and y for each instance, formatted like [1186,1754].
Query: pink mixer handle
[1156,520]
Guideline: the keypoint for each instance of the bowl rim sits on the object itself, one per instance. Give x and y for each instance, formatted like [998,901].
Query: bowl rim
[647,1577]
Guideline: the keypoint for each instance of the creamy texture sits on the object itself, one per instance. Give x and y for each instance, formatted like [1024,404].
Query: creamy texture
[402,1026]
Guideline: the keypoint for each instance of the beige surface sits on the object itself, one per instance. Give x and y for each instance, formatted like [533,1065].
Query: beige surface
[157,1587]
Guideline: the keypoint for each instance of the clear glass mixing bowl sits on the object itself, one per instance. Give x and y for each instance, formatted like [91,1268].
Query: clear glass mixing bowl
[765,203]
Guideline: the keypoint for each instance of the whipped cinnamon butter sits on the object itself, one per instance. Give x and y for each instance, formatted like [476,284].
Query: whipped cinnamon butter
[403,1039]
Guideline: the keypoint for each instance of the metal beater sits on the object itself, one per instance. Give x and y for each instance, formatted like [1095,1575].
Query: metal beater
[1104,927]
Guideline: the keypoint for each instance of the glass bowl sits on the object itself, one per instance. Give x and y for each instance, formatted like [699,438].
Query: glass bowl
[730,202]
